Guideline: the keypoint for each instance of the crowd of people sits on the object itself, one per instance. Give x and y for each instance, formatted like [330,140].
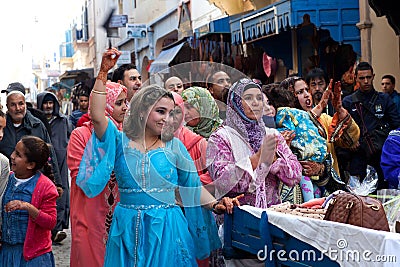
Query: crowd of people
[143,174]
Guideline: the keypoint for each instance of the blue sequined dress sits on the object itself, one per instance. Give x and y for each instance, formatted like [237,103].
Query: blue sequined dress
[148,228]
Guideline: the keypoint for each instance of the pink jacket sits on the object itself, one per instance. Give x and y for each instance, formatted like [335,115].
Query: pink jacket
[38,235]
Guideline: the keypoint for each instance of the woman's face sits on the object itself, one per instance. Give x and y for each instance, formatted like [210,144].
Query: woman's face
[252,102]
[192,115]
[177,117]
[120,108]
[269,110]
[302,93]
[159,115]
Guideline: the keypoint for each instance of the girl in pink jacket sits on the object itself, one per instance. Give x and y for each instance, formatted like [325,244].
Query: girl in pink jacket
[29,205]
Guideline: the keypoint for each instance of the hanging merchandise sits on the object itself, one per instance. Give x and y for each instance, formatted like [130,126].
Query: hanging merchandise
[266,65]
[270,65]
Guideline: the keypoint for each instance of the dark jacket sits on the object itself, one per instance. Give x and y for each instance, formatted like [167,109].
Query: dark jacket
[30,126]
[381,112]
[61,130]
[41,116]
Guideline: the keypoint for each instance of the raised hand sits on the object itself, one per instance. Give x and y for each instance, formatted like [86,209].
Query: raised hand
[109,59]
[318,109]
[337,101]
[337,96]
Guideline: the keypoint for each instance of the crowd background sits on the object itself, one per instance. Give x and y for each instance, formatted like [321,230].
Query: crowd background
[247,142]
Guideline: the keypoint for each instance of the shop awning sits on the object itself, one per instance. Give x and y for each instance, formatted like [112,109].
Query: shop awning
[164,58]
[216,26]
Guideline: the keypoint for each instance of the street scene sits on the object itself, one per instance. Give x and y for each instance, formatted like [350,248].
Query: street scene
[204,133]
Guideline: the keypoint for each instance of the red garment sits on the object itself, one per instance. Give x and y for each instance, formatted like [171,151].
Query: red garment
[90,217]
[84,118]
[38,234]
[196,145]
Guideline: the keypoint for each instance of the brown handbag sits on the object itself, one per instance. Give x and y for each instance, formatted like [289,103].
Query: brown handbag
[357,210]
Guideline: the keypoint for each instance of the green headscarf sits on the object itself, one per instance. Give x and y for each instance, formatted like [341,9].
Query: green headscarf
[201,99]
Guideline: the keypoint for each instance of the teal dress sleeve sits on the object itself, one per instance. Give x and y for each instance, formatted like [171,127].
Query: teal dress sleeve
[201,222]
[98,161]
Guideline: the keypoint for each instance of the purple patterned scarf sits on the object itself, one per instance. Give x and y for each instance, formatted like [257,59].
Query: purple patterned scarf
[251,130]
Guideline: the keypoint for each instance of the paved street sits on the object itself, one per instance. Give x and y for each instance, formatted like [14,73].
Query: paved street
[62,251]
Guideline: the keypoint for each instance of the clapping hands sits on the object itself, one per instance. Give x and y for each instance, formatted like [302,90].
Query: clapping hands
[268,147]
[337,96]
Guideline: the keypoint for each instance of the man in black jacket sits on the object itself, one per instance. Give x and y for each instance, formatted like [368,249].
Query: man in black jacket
[21,122]
[61,130]
[373,112]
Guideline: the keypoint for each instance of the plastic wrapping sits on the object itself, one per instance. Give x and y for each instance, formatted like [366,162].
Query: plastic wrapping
[367,186]
[390,199]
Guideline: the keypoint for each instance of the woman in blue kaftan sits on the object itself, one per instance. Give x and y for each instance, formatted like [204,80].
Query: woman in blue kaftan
[148,228]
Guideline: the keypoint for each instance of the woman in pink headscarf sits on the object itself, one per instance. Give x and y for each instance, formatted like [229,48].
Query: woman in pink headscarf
[91,217]
[194,143]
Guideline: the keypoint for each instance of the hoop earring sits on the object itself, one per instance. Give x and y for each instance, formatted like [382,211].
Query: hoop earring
[141,118]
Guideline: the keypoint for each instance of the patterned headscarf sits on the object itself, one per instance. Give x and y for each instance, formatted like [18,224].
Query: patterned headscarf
[251,130]
[201,99]
[113,91]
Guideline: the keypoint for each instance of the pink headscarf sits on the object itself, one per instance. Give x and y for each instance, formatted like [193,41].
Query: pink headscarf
[179,102]
[113,91]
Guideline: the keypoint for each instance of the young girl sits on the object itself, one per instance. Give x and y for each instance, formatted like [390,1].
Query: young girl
[307,144]
[29,205]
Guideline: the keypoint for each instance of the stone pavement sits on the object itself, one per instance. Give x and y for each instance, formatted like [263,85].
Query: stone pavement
[62,251]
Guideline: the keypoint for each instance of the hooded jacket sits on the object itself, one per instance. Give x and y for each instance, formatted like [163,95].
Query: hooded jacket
[61,130]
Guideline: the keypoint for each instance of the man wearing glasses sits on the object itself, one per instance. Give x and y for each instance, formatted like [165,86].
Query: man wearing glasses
[129,76]
[374,112]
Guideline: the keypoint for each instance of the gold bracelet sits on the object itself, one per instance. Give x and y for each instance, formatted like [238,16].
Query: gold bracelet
[99,92]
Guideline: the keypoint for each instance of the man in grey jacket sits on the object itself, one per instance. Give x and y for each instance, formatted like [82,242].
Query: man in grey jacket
[61,129]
